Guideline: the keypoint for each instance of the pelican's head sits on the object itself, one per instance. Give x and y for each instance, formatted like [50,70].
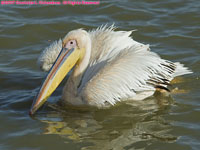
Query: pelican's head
[76,47]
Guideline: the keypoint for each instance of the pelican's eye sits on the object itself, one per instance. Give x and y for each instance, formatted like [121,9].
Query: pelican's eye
[71,44]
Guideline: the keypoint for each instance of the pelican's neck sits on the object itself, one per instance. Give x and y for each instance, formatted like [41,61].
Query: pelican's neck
[82,65]
[74,80]
[70,92]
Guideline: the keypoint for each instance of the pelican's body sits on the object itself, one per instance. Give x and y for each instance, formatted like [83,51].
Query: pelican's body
[111,67]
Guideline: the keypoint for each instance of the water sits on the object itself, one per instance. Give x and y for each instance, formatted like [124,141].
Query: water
[171,27]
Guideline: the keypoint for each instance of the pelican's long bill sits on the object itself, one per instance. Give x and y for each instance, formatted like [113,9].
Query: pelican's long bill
[64,63]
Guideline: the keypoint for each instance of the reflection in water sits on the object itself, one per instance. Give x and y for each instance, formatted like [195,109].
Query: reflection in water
[117,128]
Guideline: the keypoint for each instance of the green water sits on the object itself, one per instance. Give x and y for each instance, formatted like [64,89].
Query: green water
[171,27]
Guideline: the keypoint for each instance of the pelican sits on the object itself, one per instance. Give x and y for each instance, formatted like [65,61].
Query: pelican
[105,66]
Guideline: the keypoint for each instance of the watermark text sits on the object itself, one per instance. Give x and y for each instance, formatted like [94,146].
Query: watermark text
[41,2]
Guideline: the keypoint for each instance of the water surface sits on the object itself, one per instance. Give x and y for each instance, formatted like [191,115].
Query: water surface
[171,27]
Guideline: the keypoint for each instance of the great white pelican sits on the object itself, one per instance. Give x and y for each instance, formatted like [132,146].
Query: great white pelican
[106,66]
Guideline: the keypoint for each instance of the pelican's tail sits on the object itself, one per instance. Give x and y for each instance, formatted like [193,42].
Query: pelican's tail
[180,70]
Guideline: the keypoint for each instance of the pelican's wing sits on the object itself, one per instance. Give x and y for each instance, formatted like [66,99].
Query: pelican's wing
[132,71]
[106,44]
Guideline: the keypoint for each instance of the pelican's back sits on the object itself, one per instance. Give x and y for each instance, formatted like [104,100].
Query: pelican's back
[121,68]
[106,45]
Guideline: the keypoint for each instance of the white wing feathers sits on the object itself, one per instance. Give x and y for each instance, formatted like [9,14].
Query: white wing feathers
[106,45]
[180,70]
[121,68]
[132,71]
